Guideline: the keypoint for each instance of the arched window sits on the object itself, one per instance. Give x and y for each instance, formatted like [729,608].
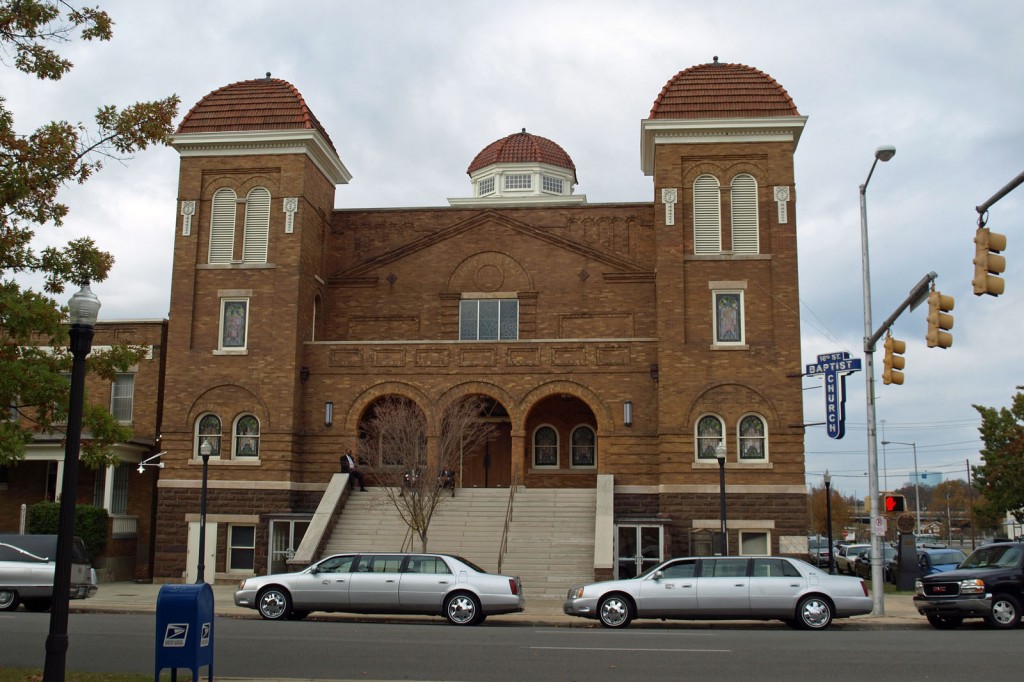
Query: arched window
[257,226]
[584,447]
[744,214]
[707,215]
[247,436]
[208,430]
[710,432]
[222,226]
[545,447]
[753,439]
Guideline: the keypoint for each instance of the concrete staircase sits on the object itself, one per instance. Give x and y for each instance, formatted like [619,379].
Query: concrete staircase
[550,541]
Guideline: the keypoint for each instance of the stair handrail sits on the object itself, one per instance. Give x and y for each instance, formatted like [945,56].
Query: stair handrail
[508,520]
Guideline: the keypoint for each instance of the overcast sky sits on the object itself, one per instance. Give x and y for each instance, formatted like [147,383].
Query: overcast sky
[410,91]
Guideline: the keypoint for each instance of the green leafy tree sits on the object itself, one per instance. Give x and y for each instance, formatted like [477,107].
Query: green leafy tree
[34,167]
[1001,476]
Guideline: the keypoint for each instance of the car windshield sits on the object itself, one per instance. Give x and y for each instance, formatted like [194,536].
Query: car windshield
[996,556]
[950,557]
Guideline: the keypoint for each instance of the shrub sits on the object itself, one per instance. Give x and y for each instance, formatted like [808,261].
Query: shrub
[90,523]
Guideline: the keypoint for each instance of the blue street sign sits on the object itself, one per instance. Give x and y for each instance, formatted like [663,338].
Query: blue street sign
[835,367]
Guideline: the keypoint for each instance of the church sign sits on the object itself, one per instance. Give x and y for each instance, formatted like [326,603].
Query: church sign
[834,367]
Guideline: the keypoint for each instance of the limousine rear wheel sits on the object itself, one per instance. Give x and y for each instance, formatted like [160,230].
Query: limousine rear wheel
[814,613]
[8,600]
[273,603]
[462,609]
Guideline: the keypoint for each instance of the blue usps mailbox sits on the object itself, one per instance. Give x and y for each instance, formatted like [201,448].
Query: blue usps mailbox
[184,629]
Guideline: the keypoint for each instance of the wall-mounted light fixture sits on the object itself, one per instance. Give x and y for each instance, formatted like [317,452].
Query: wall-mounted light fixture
[303,374]
[328,413]
[627,413]
[654,373]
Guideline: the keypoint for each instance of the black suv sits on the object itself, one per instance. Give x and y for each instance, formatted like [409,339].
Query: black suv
[988,584]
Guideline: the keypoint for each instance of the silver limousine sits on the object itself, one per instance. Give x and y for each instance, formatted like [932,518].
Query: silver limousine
[385,582]
[724,588]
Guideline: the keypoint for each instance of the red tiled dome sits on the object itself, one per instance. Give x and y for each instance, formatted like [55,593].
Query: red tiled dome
[261,104]
[718,90]
[522,147]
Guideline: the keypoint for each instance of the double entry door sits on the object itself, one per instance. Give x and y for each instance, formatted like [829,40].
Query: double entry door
[637,548]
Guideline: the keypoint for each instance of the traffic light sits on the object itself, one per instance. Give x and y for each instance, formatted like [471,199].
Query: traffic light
[987,262]
[894,503]
[893,361]
[939,320]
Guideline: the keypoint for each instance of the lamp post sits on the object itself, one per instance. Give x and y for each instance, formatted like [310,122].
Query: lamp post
[828,520]
[883,153]
[205,450]
[917,480]
[84,309]
[720,453]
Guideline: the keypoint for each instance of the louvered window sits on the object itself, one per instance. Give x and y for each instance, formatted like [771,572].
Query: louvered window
[222,226]
[122,398]
[257,226]
[744,214]
[707,215]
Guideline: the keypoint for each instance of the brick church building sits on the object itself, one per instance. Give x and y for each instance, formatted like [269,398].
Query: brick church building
[622,344]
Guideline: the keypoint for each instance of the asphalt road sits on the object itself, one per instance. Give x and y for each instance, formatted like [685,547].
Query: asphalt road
[495,652]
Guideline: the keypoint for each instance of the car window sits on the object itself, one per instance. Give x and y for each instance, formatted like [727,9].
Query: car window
[997,556]
[769,568]
[680,569]
[723,568]
[951,557]
[379,563]
[426,564]
[335,564]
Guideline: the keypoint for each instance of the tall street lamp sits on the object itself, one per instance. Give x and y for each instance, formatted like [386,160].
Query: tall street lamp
[828,521]
[883,153]
[917,486]
[720,453]
[84,309]
[205,450]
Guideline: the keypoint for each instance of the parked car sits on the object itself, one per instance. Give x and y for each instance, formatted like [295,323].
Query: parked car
[846,555]
[938,558]
[722,588]
[817,550]
[385,582]
[987,584]
[862,563]
[26,571]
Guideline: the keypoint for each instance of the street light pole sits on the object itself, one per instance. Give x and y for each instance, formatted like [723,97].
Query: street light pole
[205,450]
[720,453]
[883,153]
[917,481]
[828,521]
[84,309]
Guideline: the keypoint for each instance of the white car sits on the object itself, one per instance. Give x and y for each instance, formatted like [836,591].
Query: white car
[385,582]
[724,588]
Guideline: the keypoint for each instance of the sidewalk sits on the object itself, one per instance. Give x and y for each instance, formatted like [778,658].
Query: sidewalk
[129,597]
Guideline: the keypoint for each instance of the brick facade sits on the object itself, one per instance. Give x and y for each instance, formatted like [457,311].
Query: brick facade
[615,305]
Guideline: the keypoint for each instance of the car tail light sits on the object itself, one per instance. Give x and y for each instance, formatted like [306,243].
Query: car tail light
[864,587]
[513,585]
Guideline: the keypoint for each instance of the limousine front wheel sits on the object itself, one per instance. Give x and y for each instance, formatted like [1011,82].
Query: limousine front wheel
[8,600]
[462,609]
[274,604]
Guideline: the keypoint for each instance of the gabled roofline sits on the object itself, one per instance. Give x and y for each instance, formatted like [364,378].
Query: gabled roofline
[655,131]
[241,143]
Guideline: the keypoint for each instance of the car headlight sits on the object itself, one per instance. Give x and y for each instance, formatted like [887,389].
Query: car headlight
[241,584]
[576,593]
[918,588]
[972,586]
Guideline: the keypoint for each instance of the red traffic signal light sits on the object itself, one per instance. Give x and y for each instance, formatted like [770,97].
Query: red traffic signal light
[895,503]
[988,263]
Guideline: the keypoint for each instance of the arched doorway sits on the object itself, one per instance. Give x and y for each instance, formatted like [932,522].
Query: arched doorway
[490,465]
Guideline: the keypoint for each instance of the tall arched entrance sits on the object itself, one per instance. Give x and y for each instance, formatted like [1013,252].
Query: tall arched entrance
[490,465]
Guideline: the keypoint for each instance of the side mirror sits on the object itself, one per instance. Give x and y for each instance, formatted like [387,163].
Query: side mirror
[658,575]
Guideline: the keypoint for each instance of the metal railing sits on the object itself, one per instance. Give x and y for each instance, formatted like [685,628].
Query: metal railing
[508,520]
